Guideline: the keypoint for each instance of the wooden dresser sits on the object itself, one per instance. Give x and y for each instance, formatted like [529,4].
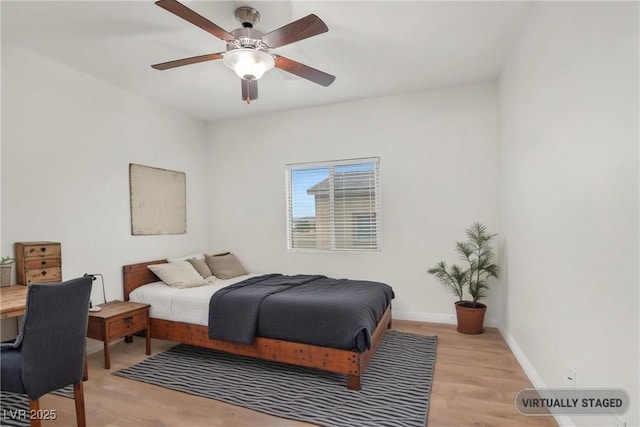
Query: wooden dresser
[38,262]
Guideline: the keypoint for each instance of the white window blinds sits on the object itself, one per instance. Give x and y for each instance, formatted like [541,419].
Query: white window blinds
[334,205]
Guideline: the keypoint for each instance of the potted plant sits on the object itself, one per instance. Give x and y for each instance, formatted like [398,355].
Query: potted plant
[472,277]
[5,270]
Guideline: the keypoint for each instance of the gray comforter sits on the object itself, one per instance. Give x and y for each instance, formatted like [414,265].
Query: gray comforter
[336,313]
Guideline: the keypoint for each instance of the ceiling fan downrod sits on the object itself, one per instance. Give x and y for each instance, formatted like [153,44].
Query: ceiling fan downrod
[247,16]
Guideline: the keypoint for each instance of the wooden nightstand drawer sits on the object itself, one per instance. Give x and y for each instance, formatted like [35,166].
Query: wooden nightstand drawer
[127,324]
[43,275]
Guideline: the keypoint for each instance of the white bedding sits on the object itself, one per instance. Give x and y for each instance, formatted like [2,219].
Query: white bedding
[190,305]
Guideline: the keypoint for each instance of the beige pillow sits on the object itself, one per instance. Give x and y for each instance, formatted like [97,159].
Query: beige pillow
[201,267]
[179,274]
[225,266]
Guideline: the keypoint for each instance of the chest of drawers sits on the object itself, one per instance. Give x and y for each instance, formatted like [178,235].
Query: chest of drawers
[38,262]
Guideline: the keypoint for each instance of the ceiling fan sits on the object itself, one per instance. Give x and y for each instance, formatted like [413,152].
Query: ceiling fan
[248,50]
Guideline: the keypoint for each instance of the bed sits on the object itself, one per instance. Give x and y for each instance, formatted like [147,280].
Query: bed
[191,329]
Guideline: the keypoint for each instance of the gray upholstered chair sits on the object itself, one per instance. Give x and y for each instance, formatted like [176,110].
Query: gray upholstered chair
[49,352]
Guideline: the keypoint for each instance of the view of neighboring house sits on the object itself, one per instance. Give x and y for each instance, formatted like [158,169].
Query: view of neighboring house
[346,212]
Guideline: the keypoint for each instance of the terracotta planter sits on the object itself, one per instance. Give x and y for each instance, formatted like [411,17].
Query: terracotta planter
[5,275]
[470,318]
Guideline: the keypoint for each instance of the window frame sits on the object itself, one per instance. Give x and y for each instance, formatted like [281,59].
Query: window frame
[331,165]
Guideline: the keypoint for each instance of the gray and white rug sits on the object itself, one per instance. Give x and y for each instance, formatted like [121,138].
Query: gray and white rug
[14,407]
[395,386]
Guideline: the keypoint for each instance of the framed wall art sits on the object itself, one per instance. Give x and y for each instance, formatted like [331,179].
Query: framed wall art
[158,200]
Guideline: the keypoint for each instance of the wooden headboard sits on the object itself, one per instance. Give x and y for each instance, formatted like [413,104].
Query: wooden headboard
[136,275]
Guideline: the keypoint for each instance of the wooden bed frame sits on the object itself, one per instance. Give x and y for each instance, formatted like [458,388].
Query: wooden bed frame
[350,363]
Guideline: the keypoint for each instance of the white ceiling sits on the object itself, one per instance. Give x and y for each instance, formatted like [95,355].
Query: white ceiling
[374,48]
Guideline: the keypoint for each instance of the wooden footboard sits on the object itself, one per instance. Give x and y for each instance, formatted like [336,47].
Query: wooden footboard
[350,363]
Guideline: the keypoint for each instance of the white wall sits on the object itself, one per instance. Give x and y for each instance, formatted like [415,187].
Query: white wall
[6,328]
[67,141]
[568,102]
[438,167]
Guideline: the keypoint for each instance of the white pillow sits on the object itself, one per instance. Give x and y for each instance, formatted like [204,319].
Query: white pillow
[186,257]
[178,274]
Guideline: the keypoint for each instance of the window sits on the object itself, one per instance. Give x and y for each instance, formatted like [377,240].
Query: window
[334,205]
[363,227]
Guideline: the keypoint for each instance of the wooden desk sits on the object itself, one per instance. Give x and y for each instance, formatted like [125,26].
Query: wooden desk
[13,301]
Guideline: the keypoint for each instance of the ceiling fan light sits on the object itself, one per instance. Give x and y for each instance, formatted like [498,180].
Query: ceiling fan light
[248,63]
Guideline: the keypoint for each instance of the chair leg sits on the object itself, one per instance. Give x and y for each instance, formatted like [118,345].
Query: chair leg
[78,395]
[34,410]
[85,377]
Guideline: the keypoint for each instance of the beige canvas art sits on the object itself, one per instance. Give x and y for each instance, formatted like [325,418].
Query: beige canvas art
[158,201]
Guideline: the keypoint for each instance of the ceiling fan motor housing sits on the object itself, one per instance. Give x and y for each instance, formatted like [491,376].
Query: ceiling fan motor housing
[245,38]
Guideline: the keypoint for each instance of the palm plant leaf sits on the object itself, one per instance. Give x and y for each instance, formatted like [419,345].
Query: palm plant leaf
[477,252]
[454,278]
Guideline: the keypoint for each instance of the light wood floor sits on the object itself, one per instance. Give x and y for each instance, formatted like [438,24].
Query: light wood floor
[475,382]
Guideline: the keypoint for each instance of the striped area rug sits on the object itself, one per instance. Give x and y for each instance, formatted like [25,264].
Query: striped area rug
[395,386]
[14,407]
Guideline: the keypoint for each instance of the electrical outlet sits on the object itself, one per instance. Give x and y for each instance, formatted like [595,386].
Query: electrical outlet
[619,422]
[571,376]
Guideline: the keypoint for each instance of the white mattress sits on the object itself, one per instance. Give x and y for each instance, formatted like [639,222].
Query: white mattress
[190,305]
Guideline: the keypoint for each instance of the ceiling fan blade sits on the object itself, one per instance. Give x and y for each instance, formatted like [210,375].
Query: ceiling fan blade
[189,15]
[304,71]
[187,61]
[249,90]
[301,29]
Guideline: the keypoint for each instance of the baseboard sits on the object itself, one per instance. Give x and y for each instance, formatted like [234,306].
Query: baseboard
[424,317]
[94,346]
[419,316]
[531,372]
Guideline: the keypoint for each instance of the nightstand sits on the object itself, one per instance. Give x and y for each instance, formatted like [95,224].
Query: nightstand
[118,319]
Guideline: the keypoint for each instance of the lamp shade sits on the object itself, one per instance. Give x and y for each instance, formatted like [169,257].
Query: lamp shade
[248,64]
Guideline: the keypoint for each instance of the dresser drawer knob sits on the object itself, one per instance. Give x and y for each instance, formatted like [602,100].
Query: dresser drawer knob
[43,249]
[128,319]
[43,262]
[44,273]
